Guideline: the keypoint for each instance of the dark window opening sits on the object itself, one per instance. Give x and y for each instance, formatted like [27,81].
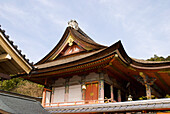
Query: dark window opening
[107,93]
[123,96]
[115,92]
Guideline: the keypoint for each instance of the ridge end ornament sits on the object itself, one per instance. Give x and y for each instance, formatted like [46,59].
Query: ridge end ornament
[73,24]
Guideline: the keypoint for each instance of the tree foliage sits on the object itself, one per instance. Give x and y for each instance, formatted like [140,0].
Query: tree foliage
[159,58]
[21,86]
[8,85]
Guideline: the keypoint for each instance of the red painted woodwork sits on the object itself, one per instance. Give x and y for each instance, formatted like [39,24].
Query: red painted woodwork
[73,49]
[92,91]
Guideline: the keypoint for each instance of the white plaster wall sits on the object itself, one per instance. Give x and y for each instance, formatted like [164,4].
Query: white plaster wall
[48,97]
[75,93]
[92,77]
[59,93]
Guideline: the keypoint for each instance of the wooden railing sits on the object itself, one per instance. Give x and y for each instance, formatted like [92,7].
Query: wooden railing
[83,102]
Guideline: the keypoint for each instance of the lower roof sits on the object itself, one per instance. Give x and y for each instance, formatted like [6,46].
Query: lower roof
[18,104]
[154,104]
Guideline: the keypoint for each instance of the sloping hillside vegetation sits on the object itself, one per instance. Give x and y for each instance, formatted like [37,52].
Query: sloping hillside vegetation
[21,86]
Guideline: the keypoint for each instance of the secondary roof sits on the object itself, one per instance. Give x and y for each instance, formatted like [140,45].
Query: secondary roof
[12,61]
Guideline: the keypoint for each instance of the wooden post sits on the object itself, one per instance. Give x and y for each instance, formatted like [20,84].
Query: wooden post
[52,95]
[101,86]
[83,90]
[119,95]
[148,91]
[44,97]
[147,82]
[83,94]
[66,90]
[111,92]
[44,94]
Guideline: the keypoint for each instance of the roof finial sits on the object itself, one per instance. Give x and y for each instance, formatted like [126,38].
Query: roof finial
[73,24]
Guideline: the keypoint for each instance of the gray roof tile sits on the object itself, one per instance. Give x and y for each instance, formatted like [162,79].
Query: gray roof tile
[20,105]
[116,107]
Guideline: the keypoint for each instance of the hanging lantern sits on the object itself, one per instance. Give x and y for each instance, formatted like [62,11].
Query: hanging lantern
[130,98]
[83,87]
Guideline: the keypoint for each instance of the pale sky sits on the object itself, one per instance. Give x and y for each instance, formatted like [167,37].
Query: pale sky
[143,26]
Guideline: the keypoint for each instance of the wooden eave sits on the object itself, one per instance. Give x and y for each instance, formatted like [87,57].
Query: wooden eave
[13,62]
[80,38]
[71,69]
[67,59]
[91,66]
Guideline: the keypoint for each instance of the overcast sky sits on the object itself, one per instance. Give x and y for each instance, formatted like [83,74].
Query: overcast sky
[36,26]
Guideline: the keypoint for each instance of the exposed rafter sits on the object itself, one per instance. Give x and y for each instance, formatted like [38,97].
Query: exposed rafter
[5,57]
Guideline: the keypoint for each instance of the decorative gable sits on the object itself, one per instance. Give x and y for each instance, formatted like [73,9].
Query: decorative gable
[67,48]
[71,49]
[74,40]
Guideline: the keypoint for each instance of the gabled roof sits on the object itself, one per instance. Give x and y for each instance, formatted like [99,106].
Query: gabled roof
[72,35]
[12,61]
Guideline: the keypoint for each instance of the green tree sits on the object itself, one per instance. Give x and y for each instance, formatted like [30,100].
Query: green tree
[159,58]
[168,58]
[18,85]
[8,85]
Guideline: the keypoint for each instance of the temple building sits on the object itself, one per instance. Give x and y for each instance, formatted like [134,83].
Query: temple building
[81,75]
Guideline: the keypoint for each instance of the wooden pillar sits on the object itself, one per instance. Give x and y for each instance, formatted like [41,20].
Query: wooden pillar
[147,82]
[101,86]
[83,89]
[52,95]
[44,93]
[44,97]
[148,91]
[66,90]
[83,94]
[119,95]
[111,92]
